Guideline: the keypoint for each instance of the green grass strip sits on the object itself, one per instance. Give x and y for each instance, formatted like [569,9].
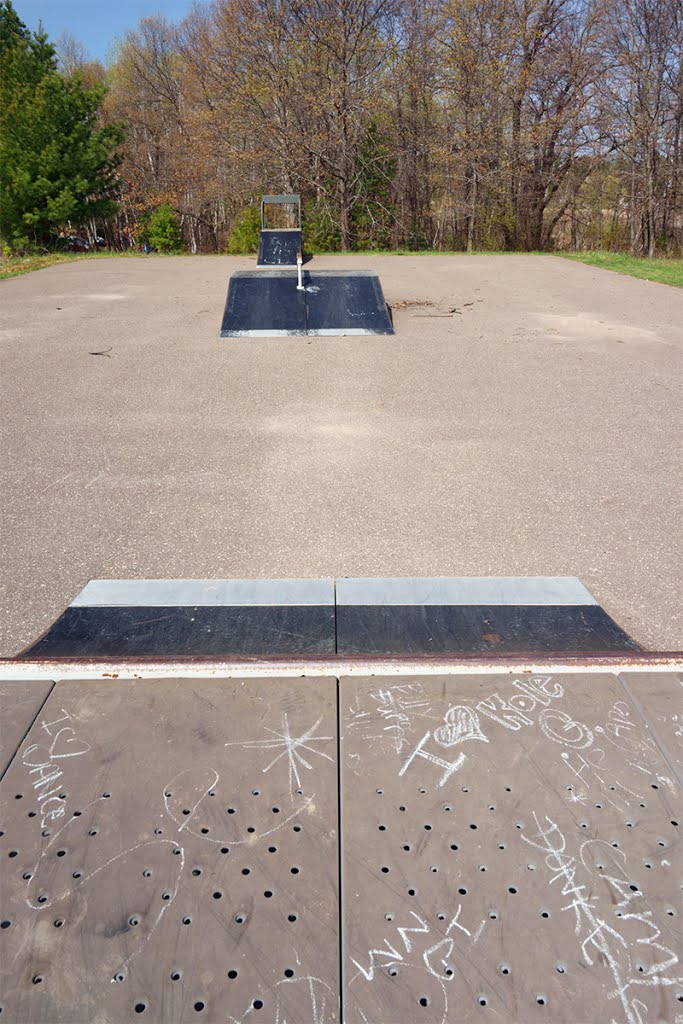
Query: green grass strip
[659,269]
[13,266]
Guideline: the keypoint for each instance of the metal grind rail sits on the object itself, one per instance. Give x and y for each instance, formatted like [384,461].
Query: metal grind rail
[489,840]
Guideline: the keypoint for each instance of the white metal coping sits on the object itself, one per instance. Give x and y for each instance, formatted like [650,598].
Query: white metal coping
[536,591]
[204,593]
[465,590]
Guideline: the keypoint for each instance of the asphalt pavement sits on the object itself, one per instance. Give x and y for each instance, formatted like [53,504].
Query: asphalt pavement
[524,420]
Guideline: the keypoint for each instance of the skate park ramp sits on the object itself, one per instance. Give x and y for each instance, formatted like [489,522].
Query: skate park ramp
[280,238]
[269,303]
[279,248]
[169,618]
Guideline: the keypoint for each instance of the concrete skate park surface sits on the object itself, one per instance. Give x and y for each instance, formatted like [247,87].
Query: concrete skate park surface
[533,431]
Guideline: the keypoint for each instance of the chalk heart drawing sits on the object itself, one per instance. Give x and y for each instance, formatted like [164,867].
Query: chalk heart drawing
[461,724]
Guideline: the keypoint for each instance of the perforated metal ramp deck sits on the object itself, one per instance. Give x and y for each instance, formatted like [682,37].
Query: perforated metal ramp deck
[168,851]
[509,844]
[20,702]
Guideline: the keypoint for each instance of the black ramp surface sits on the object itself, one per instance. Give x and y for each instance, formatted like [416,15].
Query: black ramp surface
[511,852]
[263,303]
[169,631]
[267,303]
[278,248]
[169,852]
[473,614]
[441,629]
[346,302]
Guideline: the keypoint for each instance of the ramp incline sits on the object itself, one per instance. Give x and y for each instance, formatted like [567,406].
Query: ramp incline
[268,304]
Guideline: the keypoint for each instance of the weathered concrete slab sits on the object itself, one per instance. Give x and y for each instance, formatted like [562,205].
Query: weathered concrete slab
[509,845]
[20,702]
[169,849]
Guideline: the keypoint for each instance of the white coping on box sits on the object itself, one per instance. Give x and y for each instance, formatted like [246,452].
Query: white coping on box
[336,332]
[341,332]
[264,334]
[465,590]
[191,593]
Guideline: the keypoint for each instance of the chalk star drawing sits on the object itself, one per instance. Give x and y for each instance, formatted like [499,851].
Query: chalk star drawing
[292,747]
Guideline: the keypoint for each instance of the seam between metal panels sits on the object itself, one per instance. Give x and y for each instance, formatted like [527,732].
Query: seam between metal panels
[30,726]
[651,729]
[340,856]
[306,332]
[336,645]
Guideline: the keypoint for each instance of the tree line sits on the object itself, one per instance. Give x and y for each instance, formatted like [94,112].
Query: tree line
[419,124]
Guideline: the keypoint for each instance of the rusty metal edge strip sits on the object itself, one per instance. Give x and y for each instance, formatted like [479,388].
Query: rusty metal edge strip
[340,665]
[28,729]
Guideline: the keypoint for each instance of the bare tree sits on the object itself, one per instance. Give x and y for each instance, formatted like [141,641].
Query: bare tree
[645,41]
[448,123]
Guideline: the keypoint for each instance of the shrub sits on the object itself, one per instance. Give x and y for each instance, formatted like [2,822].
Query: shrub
[244,237]
[163,230]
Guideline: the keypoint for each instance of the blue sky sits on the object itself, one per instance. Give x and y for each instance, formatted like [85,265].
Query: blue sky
[95,23]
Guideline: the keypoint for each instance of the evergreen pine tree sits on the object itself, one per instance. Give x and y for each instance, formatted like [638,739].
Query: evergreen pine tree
[164,231]
[57,164]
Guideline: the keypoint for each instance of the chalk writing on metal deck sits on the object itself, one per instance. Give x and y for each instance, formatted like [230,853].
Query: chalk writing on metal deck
[414,748]
[609,763]
[598,938]
[183,799]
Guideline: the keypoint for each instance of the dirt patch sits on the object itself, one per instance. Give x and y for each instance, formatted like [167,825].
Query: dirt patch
[405,303]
